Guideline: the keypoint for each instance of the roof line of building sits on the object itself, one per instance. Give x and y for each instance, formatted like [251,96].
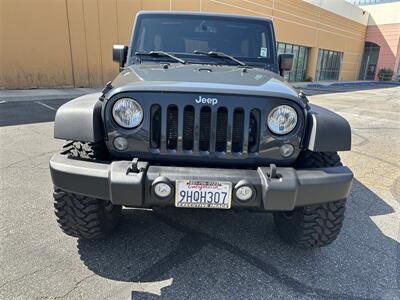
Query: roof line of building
[343,8]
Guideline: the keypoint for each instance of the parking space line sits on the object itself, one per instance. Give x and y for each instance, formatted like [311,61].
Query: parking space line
[369,117]
[45,105]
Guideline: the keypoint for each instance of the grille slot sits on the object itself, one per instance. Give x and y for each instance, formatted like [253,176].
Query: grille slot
[221,130]
[172,127]
[237,130]
[188,128]
[254,131]
[155,126]
[205,129]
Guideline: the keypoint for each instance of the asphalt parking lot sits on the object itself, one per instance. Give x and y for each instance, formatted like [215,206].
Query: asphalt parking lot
[201,254]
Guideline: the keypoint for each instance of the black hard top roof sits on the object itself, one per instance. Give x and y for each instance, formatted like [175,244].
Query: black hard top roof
[191,13]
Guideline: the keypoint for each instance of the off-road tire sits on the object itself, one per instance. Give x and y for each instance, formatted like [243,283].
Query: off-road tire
[313,225]
[309,159]
[86,151]
[80,216]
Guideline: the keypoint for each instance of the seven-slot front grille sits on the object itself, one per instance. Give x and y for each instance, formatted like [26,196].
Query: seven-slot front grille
[204,129]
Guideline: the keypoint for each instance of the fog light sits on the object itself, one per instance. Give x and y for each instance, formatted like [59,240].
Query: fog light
[162,190]
[120,143]
[287,150]
[244,193]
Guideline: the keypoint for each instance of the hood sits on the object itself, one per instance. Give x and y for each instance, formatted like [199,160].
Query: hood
[220,79]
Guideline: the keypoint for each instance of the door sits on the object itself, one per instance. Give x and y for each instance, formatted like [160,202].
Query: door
[369,61]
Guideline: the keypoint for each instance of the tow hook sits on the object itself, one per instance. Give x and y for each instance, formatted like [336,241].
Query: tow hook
[273,174]
[135,168]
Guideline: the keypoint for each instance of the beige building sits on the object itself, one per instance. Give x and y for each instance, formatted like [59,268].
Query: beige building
[64,43]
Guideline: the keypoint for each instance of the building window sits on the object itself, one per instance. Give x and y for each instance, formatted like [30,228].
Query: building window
[328,65]
[298,72]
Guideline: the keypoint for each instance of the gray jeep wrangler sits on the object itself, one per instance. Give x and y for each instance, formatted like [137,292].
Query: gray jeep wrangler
[199,117]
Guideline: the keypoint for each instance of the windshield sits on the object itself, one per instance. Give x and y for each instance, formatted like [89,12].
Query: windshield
[245,39]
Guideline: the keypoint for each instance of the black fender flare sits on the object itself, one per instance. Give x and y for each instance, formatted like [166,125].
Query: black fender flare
[80,119]
[327,131]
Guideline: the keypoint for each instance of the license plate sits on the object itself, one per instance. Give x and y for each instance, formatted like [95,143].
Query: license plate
[203,194]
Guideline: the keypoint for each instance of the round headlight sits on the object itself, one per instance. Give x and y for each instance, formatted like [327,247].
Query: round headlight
[282,119]
[127,113]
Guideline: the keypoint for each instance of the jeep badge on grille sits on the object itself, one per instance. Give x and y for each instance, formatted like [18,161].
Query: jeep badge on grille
[204,100]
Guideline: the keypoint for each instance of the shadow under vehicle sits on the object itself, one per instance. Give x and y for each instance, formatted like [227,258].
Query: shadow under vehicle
[246,246]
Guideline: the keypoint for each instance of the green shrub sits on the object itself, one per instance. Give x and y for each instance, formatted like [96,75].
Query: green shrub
[308,79]
[385,74]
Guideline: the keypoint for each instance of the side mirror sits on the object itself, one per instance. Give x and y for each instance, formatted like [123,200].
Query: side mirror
[285,62]
[119,53]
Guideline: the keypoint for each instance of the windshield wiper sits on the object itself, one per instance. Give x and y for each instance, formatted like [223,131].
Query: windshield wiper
[220,54]
[162,53]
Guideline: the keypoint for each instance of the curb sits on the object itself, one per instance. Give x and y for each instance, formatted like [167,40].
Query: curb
[43,95]
[353,84]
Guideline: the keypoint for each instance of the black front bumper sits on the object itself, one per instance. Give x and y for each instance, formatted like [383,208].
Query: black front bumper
[128,186]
